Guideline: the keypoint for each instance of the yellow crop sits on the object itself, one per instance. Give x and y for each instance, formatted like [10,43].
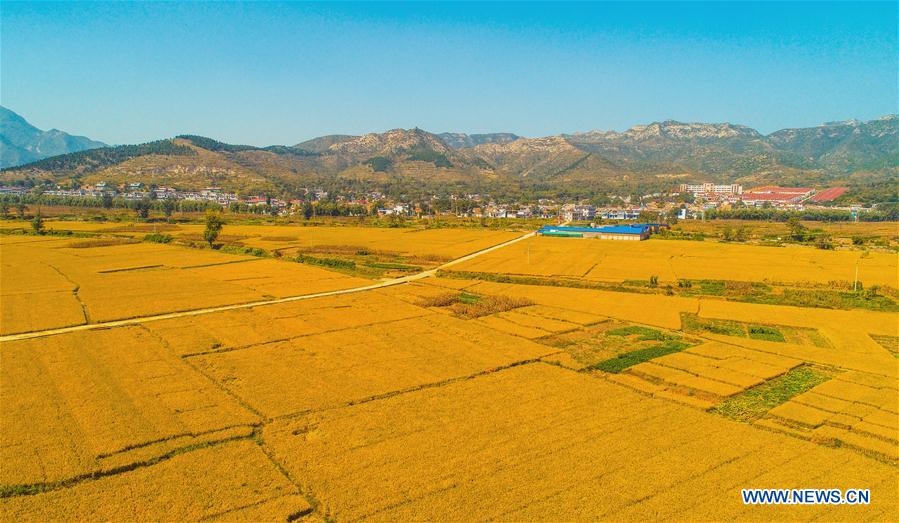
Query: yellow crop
[398,404]
[348,365]
[46,283]
[671,260]
[537,442]
[234,481]
[86,402]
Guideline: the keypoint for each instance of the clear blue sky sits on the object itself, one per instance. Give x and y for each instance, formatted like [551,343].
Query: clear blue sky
[265,73]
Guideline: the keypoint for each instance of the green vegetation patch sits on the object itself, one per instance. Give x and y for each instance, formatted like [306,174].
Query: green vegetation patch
[237,249]
[693,323]
[629,359]
[335,263]
[158,238]
[427,155]
[761,332]
[546,281]
[379,164]
[869,299]
[394,266]
[755,402]
[726,288]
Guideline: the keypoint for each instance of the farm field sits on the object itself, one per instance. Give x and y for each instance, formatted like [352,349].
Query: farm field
[216,394]
[671,260]
[87,280]
[429,244]
[845,230]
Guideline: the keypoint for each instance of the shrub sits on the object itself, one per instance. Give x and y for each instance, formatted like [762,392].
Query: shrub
[334,263]
[158,238]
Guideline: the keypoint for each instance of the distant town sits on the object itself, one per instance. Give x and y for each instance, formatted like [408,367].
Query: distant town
[684,201]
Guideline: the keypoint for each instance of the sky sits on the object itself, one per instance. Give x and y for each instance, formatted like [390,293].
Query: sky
[273,73]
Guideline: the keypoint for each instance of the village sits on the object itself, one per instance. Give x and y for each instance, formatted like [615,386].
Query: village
[685,201]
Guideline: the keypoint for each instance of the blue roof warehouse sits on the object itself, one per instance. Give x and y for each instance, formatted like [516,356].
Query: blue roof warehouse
[636,231]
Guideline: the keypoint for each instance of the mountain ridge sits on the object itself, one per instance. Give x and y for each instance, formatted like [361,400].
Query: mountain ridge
[644,156]
[23,143]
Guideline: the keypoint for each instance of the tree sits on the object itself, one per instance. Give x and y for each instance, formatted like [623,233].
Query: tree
[38,223]
[648,217]
[168,206]
[741,235]
[728,234]
[20,210]
[797,230]
[142,208]
[107,200]
[4,209]
[214,225]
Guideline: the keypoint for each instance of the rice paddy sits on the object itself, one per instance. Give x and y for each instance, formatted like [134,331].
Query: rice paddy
[159,381]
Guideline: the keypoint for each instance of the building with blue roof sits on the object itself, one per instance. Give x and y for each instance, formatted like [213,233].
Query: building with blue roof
[610,232]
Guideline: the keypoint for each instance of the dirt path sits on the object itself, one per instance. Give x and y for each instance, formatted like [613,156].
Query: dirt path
[210,310]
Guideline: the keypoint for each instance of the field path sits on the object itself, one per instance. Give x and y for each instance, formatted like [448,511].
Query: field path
[210,310]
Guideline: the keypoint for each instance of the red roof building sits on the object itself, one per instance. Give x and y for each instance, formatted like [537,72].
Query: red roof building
[828,195]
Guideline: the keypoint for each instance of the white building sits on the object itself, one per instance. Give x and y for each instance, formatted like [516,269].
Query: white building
[710,188]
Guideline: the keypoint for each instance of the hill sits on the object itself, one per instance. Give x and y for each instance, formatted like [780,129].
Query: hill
[415,162]
[462,140]
[21,142]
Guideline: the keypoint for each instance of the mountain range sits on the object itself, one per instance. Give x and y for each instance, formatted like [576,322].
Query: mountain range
[406,161]
[21,142]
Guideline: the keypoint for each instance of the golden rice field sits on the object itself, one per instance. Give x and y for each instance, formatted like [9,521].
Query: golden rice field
[672,260]
[141,381]
[436,243]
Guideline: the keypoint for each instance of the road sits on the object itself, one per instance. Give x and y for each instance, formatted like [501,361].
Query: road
[211,310]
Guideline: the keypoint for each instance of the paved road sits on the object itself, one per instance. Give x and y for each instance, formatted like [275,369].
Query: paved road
[210,310]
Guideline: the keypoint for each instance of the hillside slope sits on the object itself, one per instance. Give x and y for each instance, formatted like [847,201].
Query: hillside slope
[414,161]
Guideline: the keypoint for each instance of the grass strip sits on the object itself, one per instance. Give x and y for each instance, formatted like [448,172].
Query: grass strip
[755,402]
[761,332]
[629,359]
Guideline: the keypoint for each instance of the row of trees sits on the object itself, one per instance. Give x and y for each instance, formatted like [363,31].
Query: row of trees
[166,206]
[886,212]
